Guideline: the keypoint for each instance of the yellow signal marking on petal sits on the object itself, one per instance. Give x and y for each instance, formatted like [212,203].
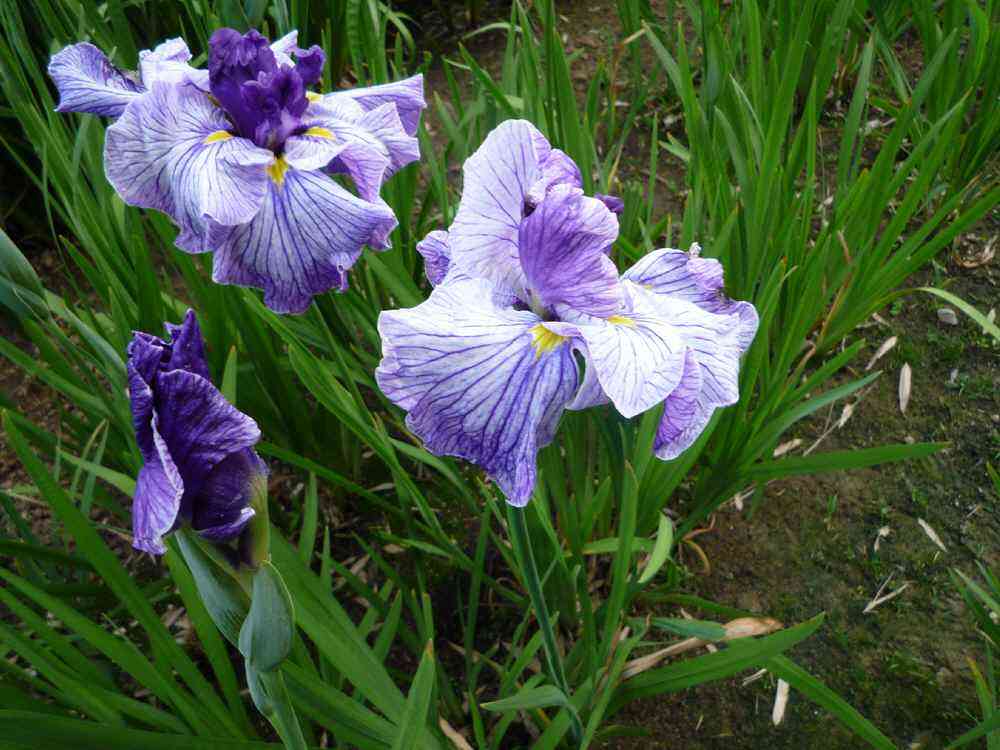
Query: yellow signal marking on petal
[218,135]
[276,170]
[313,96]
[320,133]
[621,320]
[545,340]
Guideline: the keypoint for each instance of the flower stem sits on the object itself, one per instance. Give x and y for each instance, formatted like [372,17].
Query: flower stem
[522,549]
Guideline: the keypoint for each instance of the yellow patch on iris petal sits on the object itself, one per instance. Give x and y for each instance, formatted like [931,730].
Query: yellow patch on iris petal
[320,133]
[545,340]
[621,320]
[218,135]
[313,96]
[276,170]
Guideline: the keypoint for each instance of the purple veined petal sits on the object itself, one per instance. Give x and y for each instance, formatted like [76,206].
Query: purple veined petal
[590,393]
[187,347]
[713,338]
[562,251]
[480,382]
[684,416]
[88,82]
[687,276]
[368,145]
[157,501]
[637,357]
[436,254]
[407,95]
[222,508]
[145,353]
[557,169]
[497,178]
[172,151]
[307,235]
[198,426]
[168,62]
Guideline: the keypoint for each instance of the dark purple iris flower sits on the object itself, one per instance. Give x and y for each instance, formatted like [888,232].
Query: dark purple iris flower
[522,281]
[265,101]
[241,155]
[199,466]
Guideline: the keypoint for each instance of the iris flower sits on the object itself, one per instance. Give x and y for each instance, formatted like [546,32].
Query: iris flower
[523,288]
[241,155]
[199,466]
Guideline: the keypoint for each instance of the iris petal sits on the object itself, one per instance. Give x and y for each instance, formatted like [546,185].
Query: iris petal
[684,413]
[497,178]
[88,82]
[198,426]
[187,348]
[223,506]
[369,145]
[687,276]
[171,151]
[307,234]
[436,254]
[407,95]
[637,358]
[557,169]
[562,250]
[474,383]
[168,62]
[157,502]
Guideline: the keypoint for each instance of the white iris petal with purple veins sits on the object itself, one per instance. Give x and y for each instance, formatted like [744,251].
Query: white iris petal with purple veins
[523,285]
[199,466]
[241,156]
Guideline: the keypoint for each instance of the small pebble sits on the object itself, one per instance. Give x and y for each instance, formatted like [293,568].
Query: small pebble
[947,316]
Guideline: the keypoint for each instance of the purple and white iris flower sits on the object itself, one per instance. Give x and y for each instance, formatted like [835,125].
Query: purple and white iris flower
[522,281]
[241,155]
[199,466]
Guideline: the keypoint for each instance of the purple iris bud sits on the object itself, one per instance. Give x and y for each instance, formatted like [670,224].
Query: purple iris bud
[522,282]
[199,466]
[241,155]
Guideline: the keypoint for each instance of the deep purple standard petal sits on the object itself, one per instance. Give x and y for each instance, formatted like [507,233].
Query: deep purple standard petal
[436,254]
[145,354]
[407,95]
[307,235]
[557,169]
[233,60]
[198,426]
[637,357]
[223,506]
[187,348]
[171,151]
[309,64]
[88,82]
[368,145]
[687,276]
[562,250]
[480,382]
[497,178]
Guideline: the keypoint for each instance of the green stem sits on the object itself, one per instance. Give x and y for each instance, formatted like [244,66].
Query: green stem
[522,549]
